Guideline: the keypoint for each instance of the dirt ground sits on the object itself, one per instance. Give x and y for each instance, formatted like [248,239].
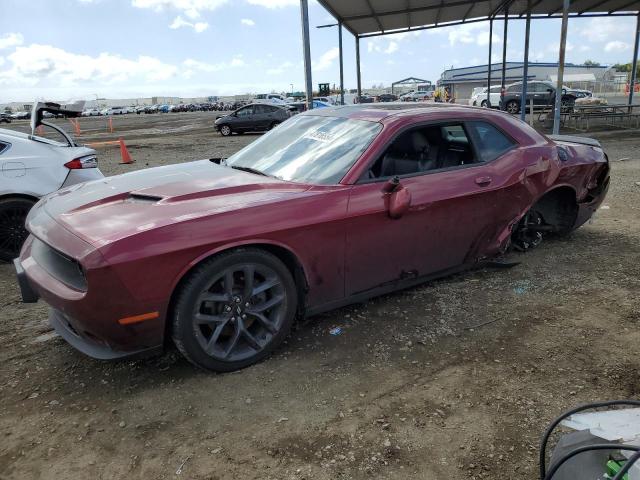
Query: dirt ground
[454,379]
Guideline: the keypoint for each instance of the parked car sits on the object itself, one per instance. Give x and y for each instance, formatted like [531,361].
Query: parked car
[332,207]
[21,115]
[5,118]
[91,112]
[479,96]
[418,96]
[114,111]
[252,118]
[578,93]
[33,166]
[326,100]
[387,97]
[543,94]
[273,98]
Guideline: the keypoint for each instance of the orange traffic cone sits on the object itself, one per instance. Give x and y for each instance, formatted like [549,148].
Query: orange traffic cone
[124,153]
[39,131]
[76,126]
[110,125]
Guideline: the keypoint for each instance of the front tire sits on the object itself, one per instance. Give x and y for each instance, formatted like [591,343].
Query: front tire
[234,309]
[483,104]
[13,213]
[225,130]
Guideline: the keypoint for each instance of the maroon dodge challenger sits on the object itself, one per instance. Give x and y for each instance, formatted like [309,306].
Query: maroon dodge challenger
[332,207]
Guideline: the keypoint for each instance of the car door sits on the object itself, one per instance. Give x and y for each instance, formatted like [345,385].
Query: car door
[452,218]
[243,118]
[271,115]
[259,118]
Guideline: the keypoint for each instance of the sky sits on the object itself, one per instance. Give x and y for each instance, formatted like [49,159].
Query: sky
[80,49]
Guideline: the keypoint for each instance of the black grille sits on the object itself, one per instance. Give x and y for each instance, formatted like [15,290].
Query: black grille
[58,265]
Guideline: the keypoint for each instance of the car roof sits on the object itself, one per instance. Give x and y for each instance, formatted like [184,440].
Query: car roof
[386,112]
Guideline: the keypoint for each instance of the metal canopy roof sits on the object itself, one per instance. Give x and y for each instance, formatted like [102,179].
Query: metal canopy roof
[379,17]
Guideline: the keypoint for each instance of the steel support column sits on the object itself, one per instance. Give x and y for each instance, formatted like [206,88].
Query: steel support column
[358,77]
[489,64]
[341,67]
[634,64]
[525,68]
[504,51]
[306,48]
[560,82]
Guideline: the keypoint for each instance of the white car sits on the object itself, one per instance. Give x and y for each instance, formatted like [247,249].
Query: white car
[32,167]
[479,97]
[114,111]
[91,112]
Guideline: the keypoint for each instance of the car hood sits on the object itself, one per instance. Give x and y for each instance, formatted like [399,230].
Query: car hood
[103,211]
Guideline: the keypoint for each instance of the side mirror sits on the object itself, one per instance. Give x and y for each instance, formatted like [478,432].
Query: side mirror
[399,198]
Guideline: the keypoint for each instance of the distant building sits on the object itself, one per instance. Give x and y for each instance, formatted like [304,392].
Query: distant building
[462,81]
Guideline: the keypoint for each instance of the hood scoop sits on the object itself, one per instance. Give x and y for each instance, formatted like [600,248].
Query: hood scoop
[143,197]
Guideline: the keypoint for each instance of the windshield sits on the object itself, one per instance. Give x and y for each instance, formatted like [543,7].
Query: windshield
[309,149]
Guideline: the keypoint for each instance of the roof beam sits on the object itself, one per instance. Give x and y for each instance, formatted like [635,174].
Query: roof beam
[596,5]
[621,9]
[335,15]
[373,14]
[552,13]
[457,3]
[503,5]
[439,12]
[466,14]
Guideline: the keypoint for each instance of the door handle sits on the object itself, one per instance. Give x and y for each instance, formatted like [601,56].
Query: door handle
[483,181]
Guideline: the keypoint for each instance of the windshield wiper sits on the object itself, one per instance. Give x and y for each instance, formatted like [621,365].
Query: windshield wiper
[250,170]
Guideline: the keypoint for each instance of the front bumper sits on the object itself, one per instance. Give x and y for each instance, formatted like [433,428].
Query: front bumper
[90,320]
[92,347]
[29,295]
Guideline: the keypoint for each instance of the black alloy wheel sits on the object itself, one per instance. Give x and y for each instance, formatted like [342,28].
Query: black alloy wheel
[234,310]
[528,232]
[13,213]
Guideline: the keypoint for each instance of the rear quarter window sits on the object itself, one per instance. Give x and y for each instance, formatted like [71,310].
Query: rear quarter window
[3,147]
[490,141]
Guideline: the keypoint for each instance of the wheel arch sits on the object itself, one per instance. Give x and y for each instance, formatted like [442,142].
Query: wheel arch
[280,251]
[26,196]
[558,206]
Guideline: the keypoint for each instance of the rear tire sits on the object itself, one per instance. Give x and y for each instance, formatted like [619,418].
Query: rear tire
[273,125]
[513,107]
[234,309]
[484,104]
[13,213]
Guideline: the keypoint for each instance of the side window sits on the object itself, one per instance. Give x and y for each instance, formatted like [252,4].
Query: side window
[259,109]
[245,111]
[514,88]
[489,141]
[425,149]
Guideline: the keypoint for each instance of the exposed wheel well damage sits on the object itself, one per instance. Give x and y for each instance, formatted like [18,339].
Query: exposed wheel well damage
[283,254]
[558,209]
[555,212]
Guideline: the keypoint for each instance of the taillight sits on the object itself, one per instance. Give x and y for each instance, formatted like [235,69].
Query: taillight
[83,162]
